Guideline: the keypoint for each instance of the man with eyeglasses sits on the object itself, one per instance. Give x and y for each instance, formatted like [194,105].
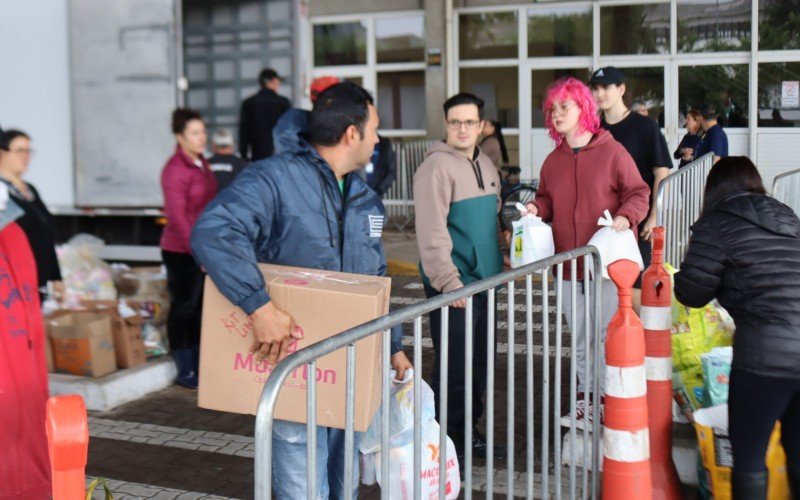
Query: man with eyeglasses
[457,199]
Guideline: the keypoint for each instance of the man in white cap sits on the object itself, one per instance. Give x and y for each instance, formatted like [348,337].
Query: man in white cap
[225,163]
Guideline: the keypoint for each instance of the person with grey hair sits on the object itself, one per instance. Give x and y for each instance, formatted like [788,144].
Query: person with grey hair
[225,163]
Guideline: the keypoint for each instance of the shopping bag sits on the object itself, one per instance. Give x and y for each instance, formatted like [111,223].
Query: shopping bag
[401,447]
[615,245]
[532,240]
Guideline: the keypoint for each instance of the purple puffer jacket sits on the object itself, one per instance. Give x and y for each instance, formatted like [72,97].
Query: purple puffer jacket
[187,190]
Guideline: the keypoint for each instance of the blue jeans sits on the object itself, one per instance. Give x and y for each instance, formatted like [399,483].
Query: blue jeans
[290,467]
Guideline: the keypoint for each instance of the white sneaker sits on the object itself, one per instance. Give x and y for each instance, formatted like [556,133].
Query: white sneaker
[582,414]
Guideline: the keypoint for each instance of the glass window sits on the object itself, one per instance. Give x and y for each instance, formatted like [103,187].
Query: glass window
[541,79]
[778,25]
[340,44]
[634,29]
[401,100]
[778,104]
[723,25]
[560,31]
[498,88]
[725,86]
[490,35]
[644,90]
[400,39]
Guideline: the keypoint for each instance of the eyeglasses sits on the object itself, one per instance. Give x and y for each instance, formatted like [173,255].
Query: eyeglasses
[22,151]
[562,109]
[457,124]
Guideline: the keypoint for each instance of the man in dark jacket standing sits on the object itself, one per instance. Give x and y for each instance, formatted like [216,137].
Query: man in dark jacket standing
[305,209]
[258,116]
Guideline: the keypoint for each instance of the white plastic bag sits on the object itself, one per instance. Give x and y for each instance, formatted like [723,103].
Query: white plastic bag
[615,245]
[532,240]
[401,452]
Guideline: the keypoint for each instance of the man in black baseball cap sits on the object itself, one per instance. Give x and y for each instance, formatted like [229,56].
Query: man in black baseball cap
[643,140]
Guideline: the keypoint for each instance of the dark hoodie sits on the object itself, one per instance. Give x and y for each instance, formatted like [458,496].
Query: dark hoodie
[745,251]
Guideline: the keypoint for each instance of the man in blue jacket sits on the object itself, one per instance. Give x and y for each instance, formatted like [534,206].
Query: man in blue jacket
[305,209]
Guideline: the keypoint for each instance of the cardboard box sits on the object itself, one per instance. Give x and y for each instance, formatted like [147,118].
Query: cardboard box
[322,303]
[48,354]
[83,344]
[127,332]
[141,282]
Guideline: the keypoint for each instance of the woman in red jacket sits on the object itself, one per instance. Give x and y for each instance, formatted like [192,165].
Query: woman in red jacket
[188,185]
[588,172]
[24,461]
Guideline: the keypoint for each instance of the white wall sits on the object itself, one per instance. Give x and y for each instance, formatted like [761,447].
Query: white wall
[35,90]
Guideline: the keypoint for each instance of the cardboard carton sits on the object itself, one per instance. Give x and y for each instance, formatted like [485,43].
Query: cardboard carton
[83,344]
[127,332]
[323,304]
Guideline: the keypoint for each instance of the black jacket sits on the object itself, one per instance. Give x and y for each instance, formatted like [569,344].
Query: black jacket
[385,168]
[39,227]
[257,118]
[746,252]
[688,141]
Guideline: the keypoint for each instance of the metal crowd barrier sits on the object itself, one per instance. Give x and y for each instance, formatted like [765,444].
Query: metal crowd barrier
[541,280]
[679,203]
[399,199]
[786,189]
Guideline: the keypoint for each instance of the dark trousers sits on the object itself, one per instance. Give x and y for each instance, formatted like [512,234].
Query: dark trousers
[185,285]
[456,380]
[755,403]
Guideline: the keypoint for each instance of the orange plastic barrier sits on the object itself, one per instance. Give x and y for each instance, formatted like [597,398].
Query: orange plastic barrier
[626,444]
[68,441]
[656,316]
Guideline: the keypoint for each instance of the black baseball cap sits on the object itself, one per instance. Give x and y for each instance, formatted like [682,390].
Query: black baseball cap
[609,75]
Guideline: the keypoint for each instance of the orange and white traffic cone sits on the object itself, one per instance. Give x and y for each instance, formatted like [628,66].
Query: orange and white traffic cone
[67,428]
[656,316]
[626,460]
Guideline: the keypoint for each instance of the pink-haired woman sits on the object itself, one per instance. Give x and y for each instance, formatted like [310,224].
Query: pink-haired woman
[587,172]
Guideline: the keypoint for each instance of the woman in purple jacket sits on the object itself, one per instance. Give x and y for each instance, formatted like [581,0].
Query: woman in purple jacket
[188,185]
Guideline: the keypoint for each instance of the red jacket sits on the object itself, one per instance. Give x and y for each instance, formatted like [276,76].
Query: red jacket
[24,460]
[575,188]
[187,190]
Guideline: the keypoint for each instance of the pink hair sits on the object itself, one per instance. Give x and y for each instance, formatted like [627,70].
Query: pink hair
[575,90]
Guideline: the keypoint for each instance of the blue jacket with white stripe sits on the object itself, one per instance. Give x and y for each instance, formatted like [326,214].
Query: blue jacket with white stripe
[288,210]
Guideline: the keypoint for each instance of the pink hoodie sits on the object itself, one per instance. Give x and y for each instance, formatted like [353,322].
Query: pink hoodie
[187,190]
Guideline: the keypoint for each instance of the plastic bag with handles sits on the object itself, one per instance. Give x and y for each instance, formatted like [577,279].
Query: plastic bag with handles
[532,239]
[615,245]
[401,481]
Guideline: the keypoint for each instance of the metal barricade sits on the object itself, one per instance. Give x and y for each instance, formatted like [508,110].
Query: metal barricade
[543,289]
[786,189]
[399,199]
[679,203]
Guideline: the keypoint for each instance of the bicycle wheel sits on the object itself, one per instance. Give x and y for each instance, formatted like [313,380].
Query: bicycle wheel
[520,194]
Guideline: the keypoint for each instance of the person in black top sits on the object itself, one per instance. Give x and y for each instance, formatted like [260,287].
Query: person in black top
[688,147]
[37,222]
[745,251]
[381,172]
[714,139]
[225,163]
[258,116]
[640,136]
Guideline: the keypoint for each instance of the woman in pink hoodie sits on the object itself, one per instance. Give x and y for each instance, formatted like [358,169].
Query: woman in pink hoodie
[587,172]
[188,185]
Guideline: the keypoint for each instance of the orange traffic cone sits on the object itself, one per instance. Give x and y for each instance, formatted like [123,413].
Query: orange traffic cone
[68,441]
[656,315]
[626,460]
